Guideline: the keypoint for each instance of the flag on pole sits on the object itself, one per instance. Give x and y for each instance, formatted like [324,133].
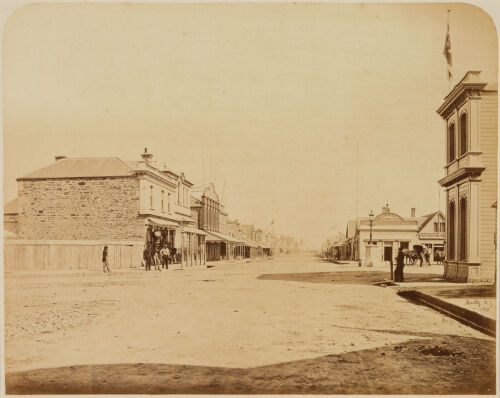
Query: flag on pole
[447,49]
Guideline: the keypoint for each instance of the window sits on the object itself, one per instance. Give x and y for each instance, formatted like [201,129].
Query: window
[463,230]
[451,229]
[463,134]
[179,193]
[163,201]
[451,143]
[404,245]
[151,196]
[439,227]
[169,203]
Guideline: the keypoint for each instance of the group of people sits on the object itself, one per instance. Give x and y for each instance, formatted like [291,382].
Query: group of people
[156,256]
[439,256]
[152,256]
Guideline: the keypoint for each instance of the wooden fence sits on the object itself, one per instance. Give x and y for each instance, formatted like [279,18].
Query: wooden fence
[27,255]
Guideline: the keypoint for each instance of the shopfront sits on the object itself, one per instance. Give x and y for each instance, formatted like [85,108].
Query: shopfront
[186,244]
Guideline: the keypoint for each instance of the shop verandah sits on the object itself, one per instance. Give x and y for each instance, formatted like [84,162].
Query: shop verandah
[225,247]
[186,244]
[220,247]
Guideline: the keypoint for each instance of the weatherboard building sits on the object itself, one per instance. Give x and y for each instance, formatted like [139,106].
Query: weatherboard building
[470,114]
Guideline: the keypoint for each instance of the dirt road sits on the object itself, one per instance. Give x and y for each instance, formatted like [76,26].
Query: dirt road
[225,330]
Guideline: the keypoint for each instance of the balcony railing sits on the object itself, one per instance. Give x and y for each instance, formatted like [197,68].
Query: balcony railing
[432,235]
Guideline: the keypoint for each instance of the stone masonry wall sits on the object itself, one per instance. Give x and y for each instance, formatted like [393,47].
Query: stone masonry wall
[85,208]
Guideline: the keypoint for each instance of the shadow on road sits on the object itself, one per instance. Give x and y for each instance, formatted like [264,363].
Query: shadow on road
[466,292]
[348,277]
[440,364]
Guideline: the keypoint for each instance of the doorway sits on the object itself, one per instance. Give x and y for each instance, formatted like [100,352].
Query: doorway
[388,253]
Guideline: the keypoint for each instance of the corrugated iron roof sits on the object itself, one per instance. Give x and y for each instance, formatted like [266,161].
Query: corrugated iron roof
[82,167]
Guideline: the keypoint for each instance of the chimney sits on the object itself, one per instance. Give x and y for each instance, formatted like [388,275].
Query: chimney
[147,156]
[386,209]
[412,212]
[59,157]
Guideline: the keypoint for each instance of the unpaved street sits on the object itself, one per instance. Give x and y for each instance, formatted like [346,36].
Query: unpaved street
[231,329]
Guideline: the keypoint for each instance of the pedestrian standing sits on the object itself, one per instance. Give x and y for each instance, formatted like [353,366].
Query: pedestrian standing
[165,254]
[156,258]
[400,264]
[105,265]
[427,257]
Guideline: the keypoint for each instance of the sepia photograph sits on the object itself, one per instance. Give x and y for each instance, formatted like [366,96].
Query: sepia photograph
[249,198]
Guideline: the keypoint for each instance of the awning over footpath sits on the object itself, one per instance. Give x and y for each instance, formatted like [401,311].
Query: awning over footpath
[194,231]
[160,223]
[250,243]
[218,237]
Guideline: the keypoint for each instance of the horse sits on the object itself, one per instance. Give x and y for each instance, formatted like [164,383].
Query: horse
[410,256]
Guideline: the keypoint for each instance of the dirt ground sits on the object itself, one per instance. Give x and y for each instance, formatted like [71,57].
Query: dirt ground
[226,330]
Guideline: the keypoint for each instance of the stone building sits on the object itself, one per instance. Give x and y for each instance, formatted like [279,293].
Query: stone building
[470,114]
[10,219]
[68,210]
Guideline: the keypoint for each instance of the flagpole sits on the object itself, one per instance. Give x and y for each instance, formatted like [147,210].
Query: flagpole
[447,49]
[448,29]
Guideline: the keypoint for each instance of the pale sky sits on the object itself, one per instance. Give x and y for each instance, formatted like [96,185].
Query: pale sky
[277,95]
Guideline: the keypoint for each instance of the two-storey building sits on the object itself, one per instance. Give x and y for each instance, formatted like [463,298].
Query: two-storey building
[431,234]
[211,217]
[470,113]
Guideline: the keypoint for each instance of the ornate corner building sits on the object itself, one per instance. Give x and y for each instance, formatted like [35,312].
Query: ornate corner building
[470,112]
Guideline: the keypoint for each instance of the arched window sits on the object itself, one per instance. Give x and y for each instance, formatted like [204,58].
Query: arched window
[151,196]
[169,204]
[463,230]
[451,231]
[451,143]
[463,134]
[179,193]
[163,201]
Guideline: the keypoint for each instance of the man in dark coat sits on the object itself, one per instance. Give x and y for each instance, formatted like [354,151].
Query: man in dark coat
[147,258]
[400,261]
[105,264]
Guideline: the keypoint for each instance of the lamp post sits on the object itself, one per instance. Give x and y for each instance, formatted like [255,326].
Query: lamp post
[392,266]
[371,225]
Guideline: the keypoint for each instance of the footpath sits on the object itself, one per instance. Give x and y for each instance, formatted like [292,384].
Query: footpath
[474,304]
